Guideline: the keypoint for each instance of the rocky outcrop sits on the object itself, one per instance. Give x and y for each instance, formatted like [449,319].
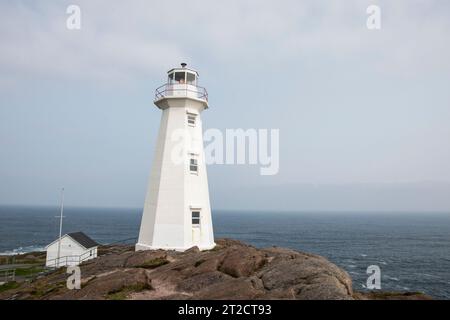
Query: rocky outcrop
[232,270]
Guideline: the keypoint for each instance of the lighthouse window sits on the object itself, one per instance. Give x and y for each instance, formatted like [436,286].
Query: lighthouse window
[193,165]
[196,217]
[191,78]
[171,78]
[191,119]
[180,77]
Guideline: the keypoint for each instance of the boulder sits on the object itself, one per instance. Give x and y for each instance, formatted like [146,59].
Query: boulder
[242,261]
[306,277]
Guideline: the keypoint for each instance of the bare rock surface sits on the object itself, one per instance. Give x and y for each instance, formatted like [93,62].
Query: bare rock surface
[232,270]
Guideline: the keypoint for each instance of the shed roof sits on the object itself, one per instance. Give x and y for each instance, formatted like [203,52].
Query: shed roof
[80,238]
[83,239]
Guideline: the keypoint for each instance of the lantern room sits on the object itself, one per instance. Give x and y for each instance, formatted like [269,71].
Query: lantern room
[181,83]
[182,75]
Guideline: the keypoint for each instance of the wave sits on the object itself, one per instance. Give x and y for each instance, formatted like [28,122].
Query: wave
[22,250]
[430,275]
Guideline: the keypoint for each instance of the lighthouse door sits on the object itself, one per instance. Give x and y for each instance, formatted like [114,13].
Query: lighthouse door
[196,230]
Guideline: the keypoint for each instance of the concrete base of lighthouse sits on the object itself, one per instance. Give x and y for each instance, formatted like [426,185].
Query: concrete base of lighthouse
[140,247]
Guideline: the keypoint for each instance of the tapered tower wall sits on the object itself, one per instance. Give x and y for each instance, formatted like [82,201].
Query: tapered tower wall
[175,193]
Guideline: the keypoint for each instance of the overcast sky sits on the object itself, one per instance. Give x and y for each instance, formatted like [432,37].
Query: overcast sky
[364,115]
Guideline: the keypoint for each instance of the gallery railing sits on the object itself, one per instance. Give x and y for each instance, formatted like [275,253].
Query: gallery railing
[181,90]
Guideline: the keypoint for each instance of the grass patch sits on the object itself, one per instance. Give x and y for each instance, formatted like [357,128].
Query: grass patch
[154,263]
[26,272]
[27,258]
[9,286]
[41,291]
[124,292]
[121,295]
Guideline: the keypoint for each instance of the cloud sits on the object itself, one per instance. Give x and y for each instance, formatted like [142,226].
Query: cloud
[130,39]
[352,105]
[38,44]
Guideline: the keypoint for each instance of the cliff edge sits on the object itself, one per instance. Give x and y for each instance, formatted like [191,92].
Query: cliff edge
[232,270]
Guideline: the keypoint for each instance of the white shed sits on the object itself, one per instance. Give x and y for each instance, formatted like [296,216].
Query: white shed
[74,248]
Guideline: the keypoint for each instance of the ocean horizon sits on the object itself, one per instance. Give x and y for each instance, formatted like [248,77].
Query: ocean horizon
[412,249]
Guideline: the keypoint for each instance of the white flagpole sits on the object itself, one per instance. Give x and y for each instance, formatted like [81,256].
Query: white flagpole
[60,225]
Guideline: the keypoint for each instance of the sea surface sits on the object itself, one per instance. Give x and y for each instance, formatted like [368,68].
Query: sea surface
[411,249]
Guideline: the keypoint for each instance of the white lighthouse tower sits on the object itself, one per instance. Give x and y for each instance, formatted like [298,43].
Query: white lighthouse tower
[177,213]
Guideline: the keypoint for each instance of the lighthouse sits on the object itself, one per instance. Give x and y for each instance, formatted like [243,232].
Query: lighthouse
[177,212]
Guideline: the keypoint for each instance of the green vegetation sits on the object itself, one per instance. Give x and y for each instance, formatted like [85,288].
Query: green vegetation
[154,263]
[121,295]
[124,292]
[26,272]
[41,291]
[8,286]
[26,258]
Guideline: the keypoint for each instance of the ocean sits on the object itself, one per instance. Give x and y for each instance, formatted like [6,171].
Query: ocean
[411,249]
